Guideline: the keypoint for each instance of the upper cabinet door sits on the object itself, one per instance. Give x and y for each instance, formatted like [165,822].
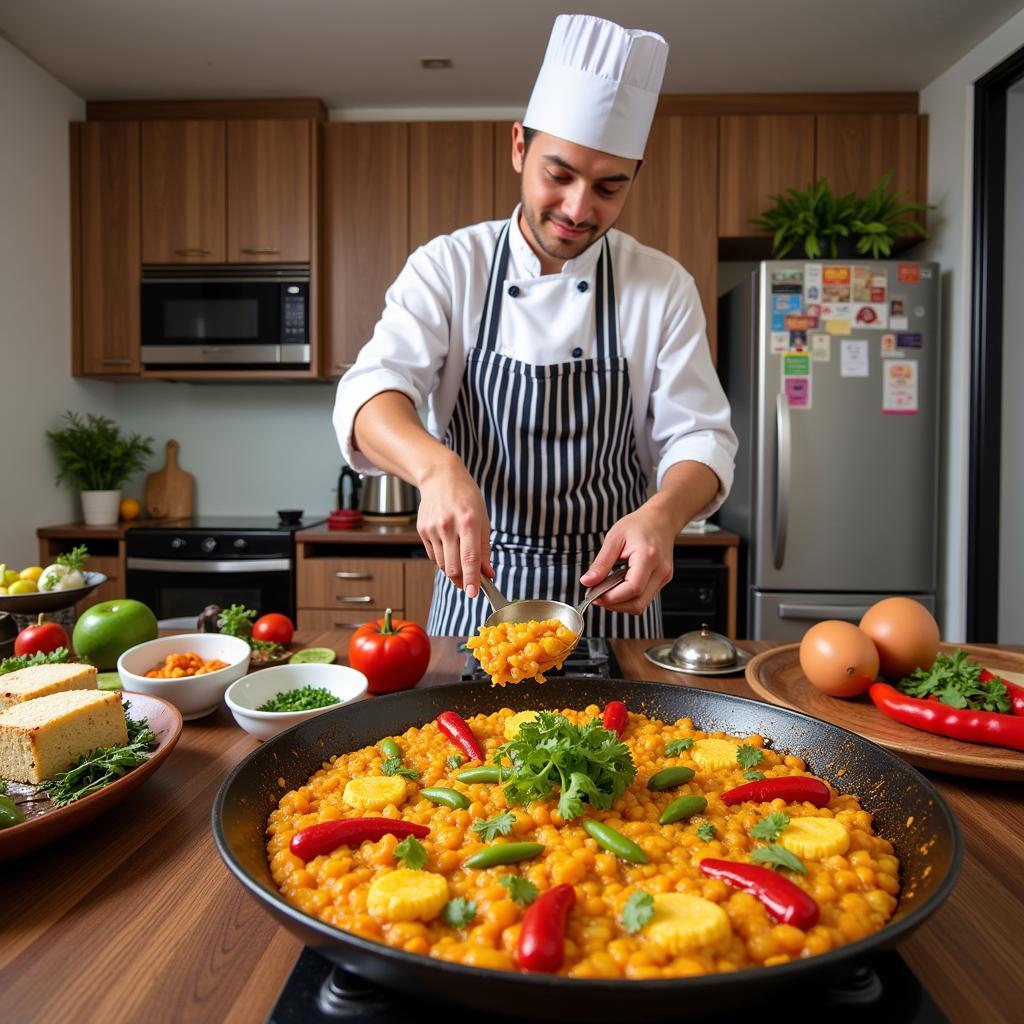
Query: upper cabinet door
[106,237]
[760,155]
[672,204]
[183,201]
[854,151]
[269,189]
[366,230]
[451,177]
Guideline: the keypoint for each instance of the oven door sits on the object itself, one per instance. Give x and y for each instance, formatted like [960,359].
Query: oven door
[178,589]
[238,318]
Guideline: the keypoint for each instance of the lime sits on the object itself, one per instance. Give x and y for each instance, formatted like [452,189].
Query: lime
[313,656]
[108,681]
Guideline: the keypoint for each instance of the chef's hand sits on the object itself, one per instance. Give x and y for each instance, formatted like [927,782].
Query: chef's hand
[645,539]
[452,523]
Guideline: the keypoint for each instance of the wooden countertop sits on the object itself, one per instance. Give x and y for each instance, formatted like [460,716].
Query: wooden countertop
[135,916]
[115,531]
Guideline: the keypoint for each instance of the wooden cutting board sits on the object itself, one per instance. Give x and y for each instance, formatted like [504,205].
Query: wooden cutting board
[170,492]
[775,676]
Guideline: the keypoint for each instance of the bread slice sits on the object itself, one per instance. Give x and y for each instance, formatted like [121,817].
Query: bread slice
[41,737]
[39,680]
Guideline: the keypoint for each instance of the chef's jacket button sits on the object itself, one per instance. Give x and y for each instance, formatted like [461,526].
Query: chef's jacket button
[577,352]
[513,290]
[582,286]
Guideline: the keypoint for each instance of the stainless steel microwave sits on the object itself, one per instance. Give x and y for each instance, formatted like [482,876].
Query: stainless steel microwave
[237,317]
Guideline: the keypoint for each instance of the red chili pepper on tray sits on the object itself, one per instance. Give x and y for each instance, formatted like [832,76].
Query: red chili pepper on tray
[616,717]
[541,947]
[310,842]
[792,789]
[456,729]
[1016,693]
[933,716]
[785,902]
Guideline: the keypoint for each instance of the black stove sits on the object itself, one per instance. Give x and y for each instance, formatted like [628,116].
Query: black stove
[592,659]
[318,992]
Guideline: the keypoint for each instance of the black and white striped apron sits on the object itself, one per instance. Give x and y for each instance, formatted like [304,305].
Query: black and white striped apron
[553,451]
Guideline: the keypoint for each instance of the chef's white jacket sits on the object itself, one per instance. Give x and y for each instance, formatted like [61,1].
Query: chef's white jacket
[432,312]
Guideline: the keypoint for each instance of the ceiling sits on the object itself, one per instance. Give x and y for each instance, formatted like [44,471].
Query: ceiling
[362,56]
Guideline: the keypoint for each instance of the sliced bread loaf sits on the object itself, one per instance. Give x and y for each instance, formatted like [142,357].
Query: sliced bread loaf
[41,737]
[40,680]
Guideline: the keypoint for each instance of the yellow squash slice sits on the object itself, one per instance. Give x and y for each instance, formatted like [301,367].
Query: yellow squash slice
[712,755]
[815,838]
[516,722]
[375,792]
[683,922]
[404,895]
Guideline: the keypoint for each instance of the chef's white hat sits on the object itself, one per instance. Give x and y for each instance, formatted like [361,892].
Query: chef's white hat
[598,85]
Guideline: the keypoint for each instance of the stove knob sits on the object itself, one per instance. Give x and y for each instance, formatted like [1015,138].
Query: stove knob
[208,544]
[178,543]
[241,544]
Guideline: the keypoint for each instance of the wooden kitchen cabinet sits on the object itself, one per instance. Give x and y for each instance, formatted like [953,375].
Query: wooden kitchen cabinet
[184,209]
[366,230]
[451,177]
[105,239]
[352,584]
[269,190]
[759,156]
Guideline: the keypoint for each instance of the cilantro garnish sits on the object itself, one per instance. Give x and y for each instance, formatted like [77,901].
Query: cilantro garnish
[394,766]
[675,747]
[749,757]
[521,890]
[639,909]
[459,912]
[589,764]
[753,775]
[411,853]
[706,831]
[453,762]
[770,828]
[490,828]
[778,857]
[955,680]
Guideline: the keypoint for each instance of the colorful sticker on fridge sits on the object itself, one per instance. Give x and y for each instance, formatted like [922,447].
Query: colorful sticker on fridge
[798,392]
[853,358]
[783,306]
[838,326]
[788,280]
[869,285]
[926,273]
[812,283]
[899,387]
[797,341]
[912,340]
[821,348]
[909,273]
[835,284]
[796,365]
[779,341]
[801,323]
[871,314]
[889,349]
[898,313]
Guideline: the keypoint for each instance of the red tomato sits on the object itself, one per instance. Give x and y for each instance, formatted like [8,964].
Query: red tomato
[43,637]
[275,628]
[391,653]
[838,658]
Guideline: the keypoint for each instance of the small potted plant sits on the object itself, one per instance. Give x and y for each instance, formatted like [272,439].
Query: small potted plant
[95,457]
[814,223]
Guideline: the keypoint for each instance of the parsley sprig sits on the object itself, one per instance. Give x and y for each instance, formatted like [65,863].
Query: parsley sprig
[453,762]
[639,909]
[394,766]
[411,853]
[706,831]
[776,856]
[589,764]
[459,912]
[770,828]
[20,661]
[749,757]
[675,747]
[521,890]
[491,828]
[955,680]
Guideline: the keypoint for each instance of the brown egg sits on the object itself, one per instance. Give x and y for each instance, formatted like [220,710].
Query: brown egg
[905,633]
[838,658]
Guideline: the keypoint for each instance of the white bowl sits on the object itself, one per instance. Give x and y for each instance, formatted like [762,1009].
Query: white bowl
[193,696]
[246,695]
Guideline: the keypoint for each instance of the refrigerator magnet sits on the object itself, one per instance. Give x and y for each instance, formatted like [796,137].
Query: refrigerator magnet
[889,349]
[812,282]
[861,284]
[909,273]
[778,341]
[874,315]
[837,326]
[821,348]
[788,279]
[836,284]
[800,323]
[798,392]
[909,340]
[784,306]
[879,286]
[899,388]
[797,341]
[853,358]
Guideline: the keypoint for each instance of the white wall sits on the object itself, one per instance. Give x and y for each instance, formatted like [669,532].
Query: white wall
[1011,504]
[949,103]
[36,386]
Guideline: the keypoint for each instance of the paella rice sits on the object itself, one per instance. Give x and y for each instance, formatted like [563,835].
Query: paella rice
[663,917]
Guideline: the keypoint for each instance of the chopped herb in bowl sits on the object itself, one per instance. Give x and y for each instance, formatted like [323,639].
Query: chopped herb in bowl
[307,698]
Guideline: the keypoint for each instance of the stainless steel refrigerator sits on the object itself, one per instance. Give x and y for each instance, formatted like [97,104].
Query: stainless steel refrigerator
[832,369]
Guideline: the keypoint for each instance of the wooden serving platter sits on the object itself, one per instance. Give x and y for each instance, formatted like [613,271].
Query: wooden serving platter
[776,677]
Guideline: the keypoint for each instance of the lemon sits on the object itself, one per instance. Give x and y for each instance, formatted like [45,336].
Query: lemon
[33,572]
[3,590]
[22,587]
[10,575]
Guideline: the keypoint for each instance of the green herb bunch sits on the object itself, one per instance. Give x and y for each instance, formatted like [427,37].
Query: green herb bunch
[955,679]
[305,698]
[20,661]
[93,454]
[590,765]
[237,621]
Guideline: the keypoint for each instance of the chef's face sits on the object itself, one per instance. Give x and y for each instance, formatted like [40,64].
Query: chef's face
[571,194]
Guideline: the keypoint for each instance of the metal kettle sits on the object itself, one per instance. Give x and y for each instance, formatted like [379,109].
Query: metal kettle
[386,495]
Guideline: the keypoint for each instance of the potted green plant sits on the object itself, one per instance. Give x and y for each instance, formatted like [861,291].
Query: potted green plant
[95,457]
[814,223]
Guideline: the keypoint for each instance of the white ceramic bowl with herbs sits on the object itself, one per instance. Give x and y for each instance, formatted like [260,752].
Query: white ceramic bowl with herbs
[289,694]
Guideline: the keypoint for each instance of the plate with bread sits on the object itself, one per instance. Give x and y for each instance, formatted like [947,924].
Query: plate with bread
[70,751]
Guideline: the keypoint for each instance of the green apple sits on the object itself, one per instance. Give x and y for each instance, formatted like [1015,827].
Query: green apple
[106,630]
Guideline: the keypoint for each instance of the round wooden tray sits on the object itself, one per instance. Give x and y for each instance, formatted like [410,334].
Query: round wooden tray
[776,677]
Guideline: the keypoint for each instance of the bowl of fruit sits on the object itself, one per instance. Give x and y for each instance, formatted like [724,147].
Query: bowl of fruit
[25,593]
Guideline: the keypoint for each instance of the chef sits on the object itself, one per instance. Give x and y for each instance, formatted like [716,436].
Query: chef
[532,376]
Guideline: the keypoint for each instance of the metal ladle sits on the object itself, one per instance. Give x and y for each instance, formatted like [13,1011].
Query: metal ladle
[524,611]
